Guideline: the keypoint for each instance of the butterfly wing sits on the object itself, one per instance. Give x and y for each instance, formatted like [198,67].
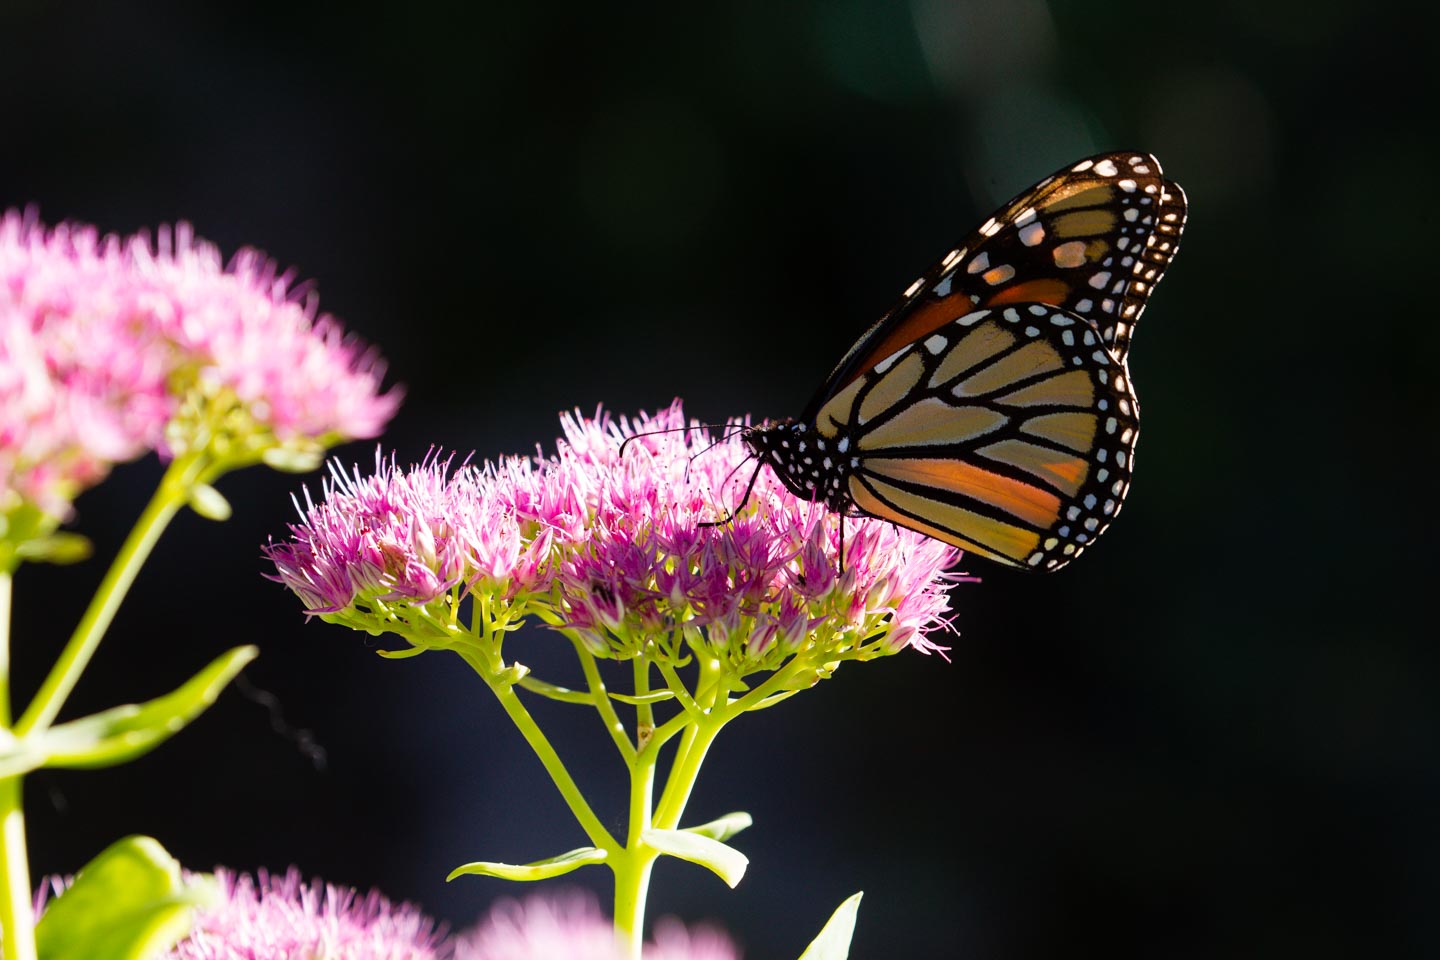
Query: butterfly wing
[1009,432]
[1093,238]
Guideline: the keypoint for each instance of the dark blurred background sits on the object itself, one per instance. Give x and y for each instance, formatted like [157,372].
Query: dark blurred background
[1214,736]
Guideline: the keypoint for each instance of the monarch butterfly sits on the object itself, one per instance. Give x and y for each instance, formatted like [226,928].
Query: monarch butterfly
[992,408]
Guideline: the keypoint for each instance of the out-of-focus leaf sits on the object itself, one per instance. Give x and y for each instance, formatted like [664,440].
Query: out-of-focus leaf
[723,828]
[833,943]
[539,870]
[727,863]
[123,733]
[129,903]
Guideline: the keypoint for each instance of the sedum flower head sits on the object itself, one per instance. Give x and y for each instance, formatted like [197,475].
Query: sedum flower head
[82,380]
[571,927]
[255,348]
[615,550]
[110,347]
[283,918]
[541,927]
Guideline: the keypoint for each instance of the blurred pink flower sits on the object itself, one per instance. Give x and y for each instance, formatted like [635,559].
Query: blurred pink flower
[675,941]
[82,374]
[108,344]
[570,926]
[248,329]
[284,918]
[614,548]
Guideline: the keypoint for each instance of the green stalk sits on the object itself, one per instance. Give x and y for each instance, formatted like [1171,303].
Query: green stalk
[633,865]
[601,699]
[596,684]
[16,919]
[530,730]
[173,493]
[686,770]
[16,913]
[15,894]
[644,715]
[7,588]
[694,743]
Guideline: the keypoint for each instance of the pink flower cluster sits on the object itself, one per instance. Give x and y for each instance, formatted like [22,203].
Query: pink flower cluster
[103,338]
[614,547]
[283,918]
[573,928]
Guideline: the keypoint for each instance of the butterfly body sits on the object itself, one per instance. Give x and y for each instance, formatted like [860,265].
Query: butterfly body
[810,465]
[992,407]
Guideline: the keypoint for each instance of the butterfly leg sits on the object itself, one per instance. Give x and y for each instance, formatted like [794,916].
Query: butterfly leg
[730,515]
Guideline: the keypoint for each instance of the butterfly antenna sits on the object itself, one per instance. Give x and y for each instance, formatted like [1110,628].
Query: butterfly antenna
[696,426]
[723,438]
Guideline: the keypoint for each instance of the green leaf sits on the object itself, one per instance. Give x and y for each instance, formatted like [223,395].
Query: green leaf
[18,756]
[723,828]
[833,943]
[539,870]
[653,697]
[405,654]
[209,502]
[126,732]
[293,459]
[129,903]
[562,694]
[726,862]
[57,548]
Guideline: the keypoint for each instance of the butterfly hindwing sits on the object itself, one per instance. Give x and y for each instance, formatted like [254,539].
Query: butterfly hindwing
[1093,238]
[1009,432]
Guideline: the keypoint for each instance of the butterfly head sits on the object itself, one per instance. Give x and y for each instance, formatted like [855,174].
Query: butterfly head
[809,464]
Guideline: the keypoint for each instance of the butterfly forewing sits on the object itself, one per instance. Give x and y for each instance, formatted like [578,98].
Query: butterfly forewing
[1094,239]
[1009,432]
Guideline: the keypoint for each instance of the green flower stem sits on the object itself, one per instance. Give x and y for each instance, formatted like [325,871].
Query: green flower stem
[505,693]
[632,867]
[686,769]
[644,715]
[677,686]
[598,696]
[16,915]
[7,587]
[606,709]
[699,735]
[181,477]
[776,683]
[15,893]
[16,920]
[710,715]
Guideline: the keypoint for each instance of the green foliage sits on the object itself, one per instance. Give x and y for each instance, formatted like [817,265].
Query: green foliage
[725,861]
[125,732]
[833,943]
[539,870]
[129,903]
